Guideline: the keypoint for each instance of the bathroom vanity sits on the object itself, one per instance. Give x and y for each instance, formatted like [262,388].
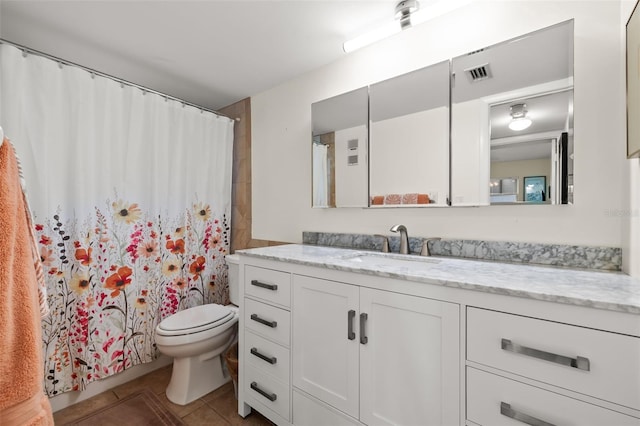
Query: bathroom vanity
[333,336]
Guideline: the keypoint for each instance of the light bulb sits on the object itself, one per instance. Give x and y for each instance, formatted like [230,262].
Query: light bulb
[518,124]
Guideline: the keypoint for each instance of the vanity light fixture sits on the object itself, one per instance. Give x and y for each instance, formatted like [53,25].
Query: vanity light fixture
[406,16]
[519,119]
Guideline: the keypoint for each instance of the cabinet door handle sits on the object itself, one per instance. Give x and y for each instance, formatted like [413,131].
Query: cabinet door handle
[363,335]
[270,359]
[272,324]
[350,316]
[579,362]
[506,410]
[264,285]
[270,396]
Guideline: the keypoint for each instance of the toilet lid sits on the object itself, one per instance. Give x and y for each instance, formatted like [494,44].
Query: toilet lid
[196,319]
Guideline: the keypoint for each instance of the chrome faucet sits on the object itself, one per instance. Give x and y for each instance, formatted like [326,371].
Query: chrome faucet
[404,238]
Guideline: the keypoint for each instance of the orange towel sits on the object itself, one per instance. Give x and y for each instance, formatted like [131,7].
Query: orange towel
[377,200]
[22,400]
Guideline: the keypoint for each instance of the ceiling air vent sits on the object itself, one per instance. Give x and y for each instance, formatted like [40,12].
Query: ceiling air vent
[481,72]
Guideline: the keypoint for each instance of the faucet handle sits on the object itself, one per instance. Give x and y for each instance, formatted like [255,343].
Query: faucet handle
[385,243]
[425,245]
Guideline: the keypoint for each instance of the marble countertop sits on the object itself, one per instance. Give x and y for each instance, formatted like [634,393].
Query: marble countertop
[603,290]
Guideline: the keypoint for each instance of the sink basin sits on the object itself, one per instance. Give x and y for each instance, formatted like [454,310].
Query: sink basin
[383,260]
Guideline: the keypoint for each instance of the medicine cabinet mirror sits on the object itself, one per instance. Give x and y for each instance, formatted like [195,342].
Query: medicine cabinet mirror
[409,139]
[340,150]
[509,111]
[512,121]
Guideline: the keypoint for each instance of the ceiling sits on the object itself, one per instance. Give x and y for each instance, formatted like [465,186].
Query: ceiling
[210,52]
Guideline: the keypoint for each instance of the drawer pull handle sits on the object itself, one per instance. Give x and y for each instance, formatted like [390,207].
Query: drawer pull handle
[264,285]
[272,324]
[350,316]
[270,396]
[270,359]
[506,410]
[363,335]
[579,362]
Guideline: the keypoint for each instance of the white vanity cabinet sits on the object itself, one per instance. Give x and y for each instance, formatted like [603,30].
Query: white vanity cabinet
[451,342]
[537,372]
[378,356]
[265,341]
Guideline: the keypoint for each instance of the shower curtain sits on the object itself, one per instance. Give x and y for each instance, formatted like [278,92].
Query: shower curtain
[320,169]
[131,194]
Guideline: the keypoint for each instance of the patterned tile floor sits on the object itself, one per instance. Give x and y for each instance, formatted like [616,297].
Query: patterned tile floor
[218,408]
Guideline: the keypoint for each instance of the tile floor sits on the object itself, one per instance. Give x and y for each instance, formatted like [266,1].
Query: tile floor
[218,408]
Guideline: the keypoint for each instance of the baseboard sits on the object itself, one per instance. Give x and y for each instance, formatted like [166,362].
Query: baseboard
[66,399]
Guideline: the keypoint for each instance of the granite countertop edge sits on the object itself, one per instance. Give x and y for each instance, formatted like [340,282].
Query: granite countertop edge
[614,291]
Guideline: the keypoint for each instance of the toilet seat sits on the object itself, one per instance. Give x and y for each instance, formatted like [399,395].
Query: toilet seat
[195,320]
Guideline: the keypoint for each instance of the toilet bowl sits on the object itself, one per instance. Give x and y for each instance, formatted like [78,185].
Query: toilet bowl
[196,338]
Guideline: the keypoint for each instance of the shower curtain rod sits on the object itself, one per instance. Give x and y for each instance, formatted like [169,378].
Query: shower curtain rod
[29,51]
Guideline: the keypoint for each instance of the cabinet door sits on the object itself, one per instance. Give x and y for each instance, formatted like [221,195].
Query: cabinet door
[410,365]
[325,359]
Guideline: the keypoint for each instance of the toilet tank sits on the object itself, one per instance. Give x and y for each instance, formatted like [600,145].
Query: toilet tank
[232,263]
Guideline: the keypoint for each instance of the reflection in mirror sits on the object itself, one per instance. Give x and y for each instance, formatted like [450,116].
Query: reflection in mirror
[409,146]
[544,148]
[340,150]
[527,81]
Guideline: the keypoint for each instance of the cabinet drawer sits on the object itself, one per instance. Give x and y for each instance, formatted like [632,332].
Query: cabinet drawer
[487,395]
[267,284]
[267,390]
[267,321]
[593,362]
[310,412]
[267,356]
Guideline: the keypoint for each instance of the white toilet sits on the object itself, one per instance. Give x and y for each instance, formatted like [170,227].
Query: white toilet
[197,338]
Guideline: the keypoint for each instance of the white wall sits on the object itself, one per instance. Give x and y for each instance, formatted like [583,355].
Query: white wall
[630,214]
[470,153]
[351,180]
[281,123]
[410,154]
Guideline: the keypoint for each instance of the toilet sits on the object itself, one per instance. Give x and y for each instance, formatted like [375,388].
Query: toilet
[197,338]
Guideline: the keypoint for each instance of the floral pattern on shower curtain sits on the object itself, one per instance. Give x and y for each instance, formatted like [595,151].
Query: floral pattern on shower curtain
[112,279]
[131,195]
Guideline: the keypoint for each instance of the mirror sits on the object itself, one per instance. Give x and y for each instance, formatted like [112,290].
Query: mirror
[447,134]
[340,150]
[526,81]
[409,139]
